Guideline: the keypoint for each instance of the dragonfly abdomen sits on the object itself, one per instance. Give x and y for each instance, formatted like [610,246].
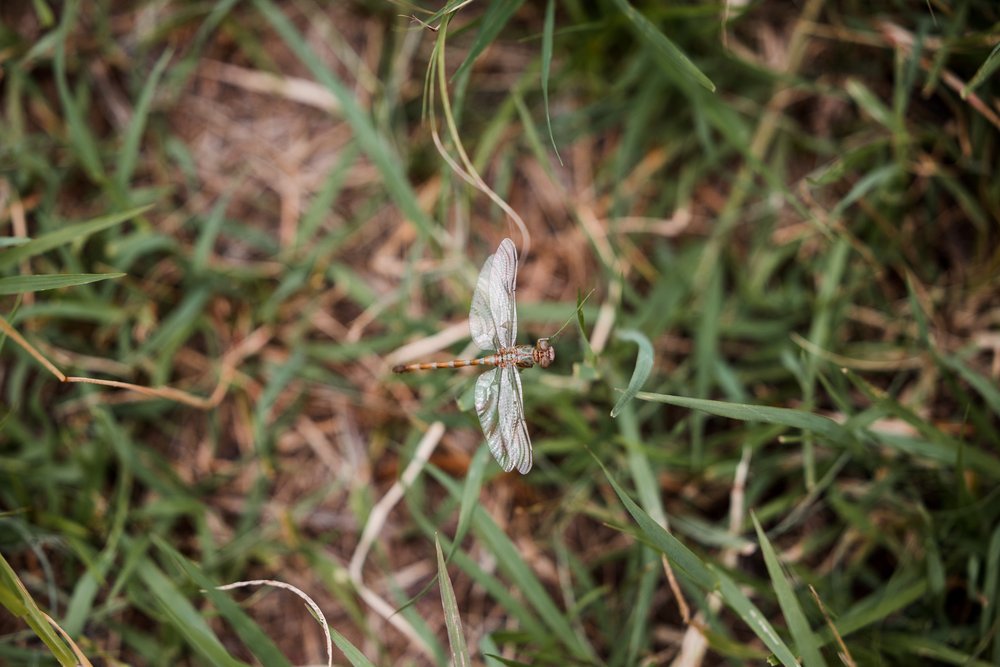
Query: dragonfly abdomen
[454,363]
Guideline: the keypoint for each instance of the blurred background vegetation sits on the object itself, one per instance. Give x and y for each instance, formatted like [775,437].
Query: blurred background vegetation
[788,213]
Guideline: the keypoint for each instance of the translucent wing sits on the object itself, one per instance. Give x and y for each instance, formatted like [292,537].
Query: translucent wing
[501,414]
[513,429]
[503,276]
[487,407]
[481,324]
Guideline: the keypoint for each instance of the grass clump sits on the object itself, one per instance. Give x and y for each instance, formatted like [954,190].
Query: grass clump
[770,435]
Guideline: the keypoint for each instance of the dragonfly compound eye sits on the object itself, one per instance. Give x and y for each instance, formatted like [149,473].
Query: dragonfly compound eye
[545,354]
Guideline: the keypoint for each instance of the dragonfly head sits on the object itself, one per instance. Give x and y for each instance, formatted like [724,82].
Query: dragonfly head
[544,353]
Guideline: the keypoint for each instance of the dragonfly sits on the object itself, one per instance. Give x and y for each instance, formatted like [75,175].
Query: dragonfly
[499,398]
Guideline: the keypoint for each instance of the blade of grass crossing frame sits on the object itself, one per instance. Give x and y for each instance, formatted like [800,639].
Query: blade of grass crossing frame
[452,619]
[652,37]
[936,445]
[80,607]
[983,385]
[322,201]
[640,372]
[353,654]
[63,235]
[683,560]
[798,419]
[582,322]
[548,30]
[21,284]
[897,594]
[805,641]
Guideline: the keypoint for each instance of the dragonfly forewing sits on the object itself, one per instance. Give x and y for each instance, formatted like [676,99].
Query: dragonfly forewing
[503,275]
[481,323]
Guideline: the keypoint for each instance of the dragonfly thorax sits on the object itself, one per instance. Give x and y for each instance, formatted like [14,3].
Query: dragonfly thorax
[525,356]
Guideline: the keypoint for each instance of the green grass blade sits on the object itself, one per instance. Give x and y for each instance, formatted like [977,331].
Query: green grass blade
[709,578]
[470,493]
[183,616]
[643,367]
[21,284]
[651,36]
[68,234]
[798,419]
[798,625]
[365,132]
[14,597]
[682,559]
[129,153]
[497,15]
[79,129]
[983,385]
[256,640]
[548,31]
[208,236]
[737,600]
[521,575]
[875,609]
[452,618]
[984,72]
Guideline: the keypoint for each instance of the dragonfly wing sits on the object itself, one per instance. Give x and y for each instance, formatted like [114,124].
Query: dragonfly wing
[503,277]
[513,429]
[488,409]
[481,324]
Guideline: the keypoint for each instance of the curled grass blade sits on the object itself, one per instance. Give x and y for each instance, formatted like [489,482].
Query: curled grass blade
[640,373]
[547,32]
